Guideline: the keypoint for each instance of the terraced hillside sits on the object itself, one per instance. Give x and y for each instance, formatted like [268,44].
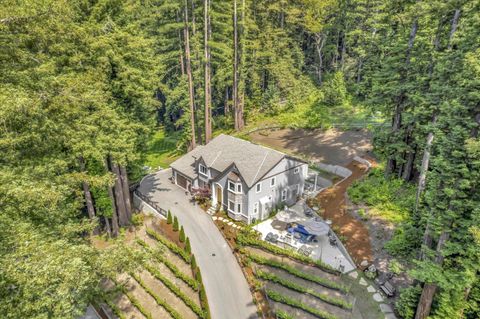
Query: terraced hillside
[167,282]
[297,287]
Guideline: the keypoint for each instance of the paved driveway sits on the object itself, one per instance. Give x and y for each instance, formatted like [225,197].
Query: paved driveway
[227,289]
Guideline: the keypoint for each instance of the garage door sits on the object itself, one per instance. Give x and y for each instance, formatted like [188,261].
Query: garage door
[181,181]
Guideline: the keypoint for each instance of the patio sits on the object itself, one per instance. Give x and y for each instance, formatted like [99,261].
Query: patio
[334,255]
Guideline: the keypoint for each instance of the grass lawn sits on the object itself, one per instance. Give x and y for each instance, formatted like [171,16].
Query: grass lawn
[162,149]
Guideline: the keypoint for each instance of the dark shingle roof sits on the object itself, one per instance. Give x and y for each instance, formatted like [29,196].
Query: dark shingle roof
[253,161]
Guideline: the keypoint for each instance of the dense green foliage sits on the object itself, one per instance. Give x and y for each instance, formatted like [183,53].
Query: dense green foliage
[83,83]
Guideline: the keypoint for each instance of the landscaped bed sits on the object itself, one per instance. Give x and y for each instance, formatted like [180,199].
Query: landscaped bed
[167,281]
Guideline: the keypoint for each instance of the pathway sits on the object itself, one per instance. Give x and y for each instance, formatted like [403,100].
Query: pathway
[228,293]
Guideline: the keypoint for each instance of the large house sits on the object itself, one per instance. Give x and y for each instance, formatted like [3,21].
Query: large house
[246,180]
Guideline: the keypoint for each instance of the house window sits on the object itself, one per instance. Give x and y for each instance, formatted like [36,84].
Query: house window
[239,207]
[202,169]
[272,182]
[231,206]
[231,186]
[255,208]
[296,170]
[284,195]
[258,188]
[239,188]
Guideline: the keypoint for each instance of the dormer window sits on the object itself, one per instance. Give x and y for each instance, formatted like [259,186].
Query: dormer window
[202,169]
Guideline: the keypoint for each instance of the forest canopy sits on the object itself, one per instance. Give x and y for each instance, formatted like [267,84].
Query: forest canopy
[84,84]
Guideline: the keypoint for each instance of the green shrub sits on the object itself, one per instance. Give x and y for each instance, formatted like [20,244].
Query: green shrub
[407,302]
[405,241]
[363,215]
[395,267]
[300,274]
[188,248]
[278,297]
[182,235]
[389,198]
[169,217]
[170,245]
[175,223]
[299,288]
[193,263]
[280,314]
[137,219]
[246,238]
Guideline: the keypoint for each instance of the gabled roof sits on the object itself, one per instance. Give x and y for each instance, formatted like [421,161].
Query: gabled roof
[253,161]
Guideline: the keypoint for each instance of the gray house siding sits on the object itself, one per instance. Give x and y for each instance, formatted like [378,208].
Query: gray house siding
[243,198]
[286,178]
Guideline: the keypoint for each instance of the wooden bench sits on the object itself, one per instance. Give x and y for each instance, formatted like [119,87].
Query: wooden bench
[388,289]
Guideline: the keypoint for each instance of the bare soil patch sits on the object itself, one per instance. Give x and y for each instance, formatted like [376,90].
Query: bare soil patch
[126,307]
[161,290]
[353,232]
[311,301]
[331,146]
[147,301]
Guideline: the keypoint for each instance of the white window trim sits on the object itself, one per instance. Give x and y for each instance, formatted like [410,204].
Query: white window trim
[257,190]
[274,181]
[296,170]
[236,187]
[255,208]
[228,206]
[200,170]
[239,211]
[284,194]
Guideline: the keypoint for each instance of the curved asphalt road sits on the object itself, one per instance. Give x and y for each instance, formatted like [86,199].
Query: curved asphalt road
[228,293]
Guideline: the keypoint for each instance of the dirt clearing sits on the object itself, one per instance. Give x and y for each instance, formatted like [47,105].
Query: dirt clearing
[354,233]
[330,147]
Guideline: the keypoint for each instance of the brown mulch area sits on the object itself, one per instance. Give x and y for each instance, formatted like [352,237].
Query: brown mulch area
[355,234]
[167,231]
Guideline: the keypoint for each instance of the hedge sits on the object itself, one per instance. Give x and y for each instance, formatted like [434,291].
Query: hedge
[250,239]
[298,273]
[160,302]
[280,314]
[174,269]
[275,296]
[170,245]
[170,285]
[299,288]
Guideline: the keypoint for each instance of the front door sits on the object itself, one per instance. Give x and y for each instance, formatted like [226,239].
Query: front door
[218,190]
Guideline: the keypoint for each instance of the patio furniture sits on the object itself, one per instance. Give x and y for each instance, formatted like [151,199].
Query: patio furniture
[388,289]
[332,240]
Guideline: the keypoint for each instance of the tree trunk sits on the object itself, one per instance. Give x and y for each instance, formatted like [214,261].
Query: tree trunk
[456,16]
[429,289]
[397,116]
[107,226]
[319,43]
[226,108]
[408,168]
[126,191]
[208,92]
[115,226]
[425,163]
[119,198]
[180,40]
[235,68]
[86,191]
[190,78]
